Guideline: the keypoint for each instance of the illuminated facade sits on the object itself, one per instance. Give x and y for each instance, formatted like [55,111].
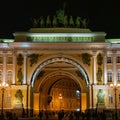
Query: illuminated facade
[59,68]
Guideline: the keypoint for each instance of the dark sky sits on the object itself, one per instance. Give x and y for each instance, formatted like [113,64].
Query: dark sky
[102,15]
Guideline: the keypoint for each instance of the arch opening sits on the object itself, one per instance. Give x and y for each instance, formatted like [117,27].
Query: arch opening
[60,59]
[60,85]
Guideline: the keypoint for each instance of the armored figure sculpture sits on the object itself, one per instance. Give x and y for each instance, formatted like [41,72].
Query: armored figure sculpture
[100,96]
[20,75]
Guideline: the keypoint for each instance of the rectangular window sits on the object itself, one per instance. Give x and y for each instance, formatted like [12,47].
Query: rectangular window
[110,99]
[109,76]
[109,60]
[9,60]
[119,98]
[118,75]
[9,76]
[118,59]
[0,75]
[1,60]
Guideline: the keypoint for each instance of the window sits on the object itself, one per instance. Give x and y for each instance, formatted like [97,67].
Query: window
[8,100]
[10,60]
[9,76]
[119,98]
[0,75]
[109,60]
[118,75]
[109,76]
[118,59]
[110,98]
[1,60]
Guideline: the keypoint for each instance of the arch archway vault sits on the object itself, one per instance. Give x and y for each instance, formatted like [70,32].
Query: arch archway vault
[45,84]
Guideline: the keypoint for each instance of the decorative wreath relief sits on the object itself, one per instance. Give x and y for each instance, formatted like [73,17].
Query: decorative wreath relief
[86,58]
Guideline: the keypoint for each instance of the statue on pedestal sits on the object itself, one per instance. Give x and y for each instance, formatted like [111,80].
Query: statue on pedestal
[100,98]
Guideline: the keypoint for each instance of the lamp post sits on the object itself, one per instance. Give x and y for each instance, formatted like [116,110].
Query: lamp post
[115,86]
[3,86]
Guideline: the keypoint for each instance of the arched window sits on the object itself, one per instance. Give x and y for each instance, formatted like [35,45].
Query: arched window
[9,76]
[109,76]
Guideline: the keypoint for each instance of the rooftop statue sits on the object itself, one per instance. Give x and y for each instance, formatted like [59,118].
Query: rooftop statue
[71,22]
[65,21]
[84,23]
[78,20]
[60,16]
[42,22]
[48,22]
[54,22]
[60,19]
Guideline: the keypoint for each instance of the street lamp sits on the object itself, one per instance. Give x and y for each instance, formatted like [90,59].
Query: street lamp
[3,86]
[115,86]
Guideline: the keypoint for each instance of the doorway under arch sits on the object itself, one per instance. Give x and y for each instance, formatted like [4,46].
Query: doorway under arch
[65,94]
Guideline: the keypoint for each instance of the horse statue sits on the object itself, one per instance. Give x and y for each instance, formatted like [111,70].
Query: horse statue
[84,23]
[42,22]
[71,22]
[48,22]
[65,21]
[35,22]
[78,22]
[54,22]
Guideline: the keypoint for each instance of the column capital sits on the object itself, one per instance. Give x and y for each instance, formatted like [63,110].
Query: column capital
[94,52]
[25,53]
[114,53]
[105,52]
[4,53]
[14,52]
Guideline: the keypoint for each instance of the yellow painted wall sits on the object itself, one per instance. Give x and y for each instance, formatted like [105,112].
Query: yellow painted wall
[83,101]
[36,103]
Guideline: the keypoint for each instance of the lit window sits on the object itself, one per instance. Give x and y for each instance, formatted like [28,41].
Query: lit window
[0,75]
[8,99]
[109,60]
[119,98]
[1,60]
[109,76]
[118,59]
[9,60]
[9,76]
[118,75]
[110,98]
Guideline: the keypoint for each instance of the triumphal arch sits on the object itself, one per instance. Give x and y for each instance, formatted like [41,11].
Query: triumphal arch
[56,69]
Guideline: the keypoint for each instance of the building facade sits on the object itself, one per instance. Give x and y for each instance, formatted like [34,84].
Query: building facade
[59,68]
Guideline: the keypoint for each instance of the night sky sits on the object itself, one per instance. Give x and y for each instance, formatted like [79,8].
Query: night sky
[102,15]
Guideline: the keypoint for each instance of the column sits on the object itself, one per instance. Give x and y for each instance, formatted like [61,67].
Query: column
[27,95]
[114,67]
[91,96]
[94,67]
[4,67]
[105,67]
[25,68]
[14,67]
